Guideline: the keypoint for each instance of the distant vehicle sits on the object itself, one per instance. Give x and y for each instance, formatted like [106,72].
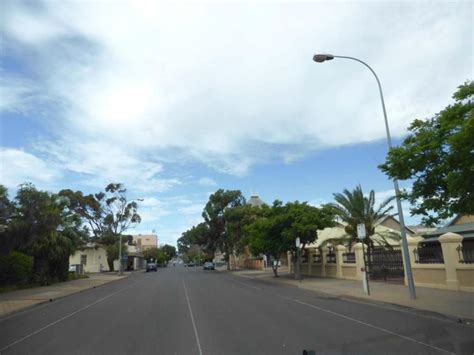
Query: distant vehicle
[208,266]
[191,263]
[151,267]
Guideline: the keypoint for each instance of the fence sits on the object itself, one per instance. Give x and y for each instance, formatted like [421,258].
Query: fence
[331,258]
[447,264]
[428,253]
[466,252]
[349,258]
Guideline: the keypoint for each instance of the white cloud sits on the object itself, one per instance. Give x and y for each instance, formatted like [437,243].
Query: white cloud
[317,202]
[189,82]
[104,162]
[17,167]
[206,181]
[194,209]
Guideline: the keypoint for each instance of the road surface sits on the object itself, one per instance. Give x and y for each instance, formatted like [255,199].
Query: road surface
[181,310]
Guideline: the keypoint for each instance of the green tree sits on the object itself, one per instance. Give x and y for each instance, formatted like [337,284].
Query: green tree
[197,235]
[353,208]
[151,254]
[438,155]
[236,219]
[108,214]
[169,250]
[7,209]
[43,227]
[214,217]
[275,233]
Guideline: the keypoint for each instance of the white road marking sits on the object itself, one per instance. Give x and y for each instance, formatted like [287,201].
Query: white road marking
[368,325]
[349,318]
[192,319]
[64,318]
[392,307]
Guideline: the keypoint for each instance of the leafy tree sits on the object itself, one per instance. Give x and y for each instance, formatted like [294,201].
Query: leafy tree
[43,227]
[354,208]
[275,233]
[17,268]
[214,217]
[151,254]
[7,209]
[169,250]
[156,255]
[236,220]
[108,214]
[196,254]
[198,235]
[438,155]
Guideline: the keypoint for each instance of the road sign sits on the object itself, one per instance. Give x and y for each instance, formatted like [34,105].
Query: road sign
[361,231]
[298,242]
[124,257]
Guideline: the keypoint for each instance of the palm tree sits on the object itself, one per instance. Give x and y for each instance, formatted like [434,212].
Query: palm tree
[353,208]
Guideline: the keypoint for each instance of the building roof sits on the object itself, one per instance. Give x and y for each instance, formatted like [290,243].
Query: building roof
[255,201]
[338,232]
[466,230]
[421,229]
[392,223]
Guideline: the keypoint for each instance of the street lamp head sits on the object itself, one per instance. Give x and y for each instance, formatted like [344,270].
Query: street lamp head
[319,58]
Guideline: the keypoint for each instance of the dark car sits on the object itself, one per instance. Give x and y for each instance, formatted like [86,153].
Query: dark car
[151,267]
[190,264]
[208,266]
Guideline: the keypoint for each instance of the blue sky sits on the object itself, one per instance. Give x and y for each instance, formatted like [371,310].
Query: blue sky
[178,100]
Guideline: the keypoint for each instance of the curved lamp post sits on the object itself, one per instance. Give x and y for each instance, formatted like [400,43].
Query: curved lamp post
[320,58]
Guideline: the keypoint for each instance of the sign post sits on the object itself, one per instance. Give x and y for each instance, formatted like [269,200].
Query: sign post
[297,263]
[365,276]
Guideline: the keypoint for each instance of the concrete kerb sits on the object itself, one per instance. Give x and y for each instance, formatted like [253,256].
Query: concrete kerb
[44,302]
[416,311]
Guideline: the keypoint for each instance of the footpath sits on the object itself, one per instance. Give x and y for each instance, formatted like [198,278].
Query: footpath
[15,301]
[457,304]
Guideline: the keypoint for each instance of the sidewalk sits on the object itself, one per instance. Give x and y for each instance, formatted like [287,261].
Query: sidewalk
[18,300]
[456,304]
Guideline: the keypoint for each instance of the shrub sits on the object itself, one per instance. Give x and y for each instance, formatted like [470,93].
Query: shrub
[16,268]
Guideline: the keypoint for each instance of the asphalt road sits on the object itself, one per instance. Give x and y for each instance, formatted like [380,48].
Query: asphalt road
[190,311]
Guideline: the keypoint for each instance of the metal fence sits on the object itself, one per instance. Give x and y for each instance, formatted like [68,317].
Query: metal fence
[429,253]
[385,264]
[317,258]
[331,258]
[466,252]
[349,257]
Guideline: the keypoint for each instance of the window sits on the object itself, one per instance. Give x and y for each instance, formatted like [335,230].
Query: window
[84,259]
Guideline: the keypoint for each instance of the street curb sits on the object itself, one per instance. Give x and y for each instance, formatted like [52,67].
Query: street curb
[434,314]
[42,303]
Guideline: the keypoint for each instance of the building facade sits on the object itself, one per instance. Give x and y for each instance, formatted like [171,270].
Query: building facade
[145,241]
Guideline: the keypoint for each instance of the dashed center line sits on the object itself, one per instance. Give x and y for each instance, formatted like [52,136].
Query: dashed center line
[192,319]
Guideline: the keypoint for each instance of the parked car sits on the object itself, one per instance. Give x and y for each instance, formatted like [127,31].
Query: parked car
[190,264]
[151,267]
[208,266]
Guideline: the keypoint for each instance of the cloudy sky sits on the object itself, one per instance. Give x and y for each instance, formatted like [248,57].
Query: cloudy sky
[177,100]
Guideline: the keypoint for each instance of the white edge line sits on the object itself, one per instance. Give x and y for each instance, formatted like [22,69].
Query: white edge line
[351,319]
[62,318]
[192,319]
[390,306]
[368,325]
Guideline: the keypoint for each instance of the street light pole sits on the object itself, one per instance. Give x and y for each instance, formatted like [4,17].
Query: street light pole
[320,58]
[120,256]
